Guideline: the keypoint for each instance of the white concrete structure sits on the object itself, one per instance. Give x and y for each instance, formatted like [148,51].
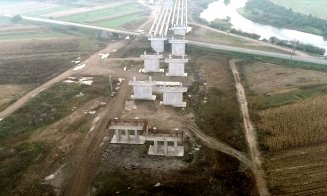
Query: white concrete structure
[168,3]
[178,46]
[173,96]
[142,89]
[159,28]
[151,62]
[158,43]
[166,145]
[176,66]
[128,132]
[179,19]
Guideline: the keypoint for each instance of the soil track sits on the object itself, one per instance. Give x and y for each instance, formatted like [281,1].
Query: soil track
[23,100]
[219,146]
[87,167]
[250,134]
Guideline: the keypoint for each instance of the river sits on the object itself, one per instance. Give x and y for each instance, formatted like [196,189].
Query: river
[218,10]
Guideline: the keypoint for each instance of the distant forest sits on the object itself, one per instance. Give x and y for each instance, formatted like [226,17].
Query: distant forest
[266,12]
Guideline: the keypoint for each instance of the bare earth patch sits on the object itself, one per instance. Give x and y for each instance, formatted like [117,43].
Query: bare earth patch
[269,78]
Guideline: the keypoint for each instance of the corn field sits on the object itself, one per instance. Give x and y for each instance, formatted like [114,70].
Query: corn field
[296,125]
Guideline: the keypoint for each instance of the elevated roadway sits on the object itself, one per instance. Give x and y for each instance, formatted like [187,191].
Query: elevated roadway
[310,59]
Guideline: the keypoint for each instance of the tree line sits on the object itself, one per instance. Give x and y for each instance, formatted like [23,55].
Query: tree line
[266,12]
[298,45]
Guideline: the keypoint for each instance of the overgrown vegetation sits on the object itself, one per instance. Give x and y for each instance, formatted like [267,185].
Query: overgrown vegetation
[298,45]
[48,107]
[220,115]
[265,101]
[266,12]
[225,25]
[14,161]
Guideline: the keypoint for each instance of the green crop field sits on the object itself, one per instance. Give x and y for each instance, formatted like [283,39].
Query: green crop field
[47,11]
[98,14]
[314,7]
[28,35]
[118,22]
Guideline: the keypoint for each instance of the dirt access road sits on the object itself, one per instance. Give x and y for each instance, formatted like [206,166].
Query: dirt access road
[219,146]
[87,168]
[250,134]
[89,62]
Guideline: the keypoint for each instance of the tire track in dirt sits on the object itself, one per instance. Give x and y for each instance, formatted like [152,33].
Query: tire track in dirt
[23,100]
[219,146]
[250,134]
[87,168]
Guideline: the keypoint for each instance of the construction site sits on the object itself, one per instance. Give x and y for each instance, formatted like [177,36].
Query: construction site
[123,98]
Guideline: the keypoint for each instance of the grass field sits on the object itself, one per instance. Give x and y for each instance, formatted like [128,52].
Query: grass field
[27,35]
[220,116]
[288,105]
[47,11]
[93,15]
[273,85]
[118,22]
[43,110]
[314,7]
[202,34]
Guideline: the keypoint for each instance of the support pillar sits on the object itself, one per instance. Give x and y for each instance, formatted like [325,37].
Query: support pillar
[127,135]
[175,147]
[155,147]
[158,43]
[137,137]
[178,46]
[165,147]
[176,66]
[118,136]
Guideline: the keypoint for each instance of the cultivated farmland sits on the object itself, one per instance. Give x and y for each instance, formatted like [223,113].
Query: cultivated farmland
[296,125]
[288,105]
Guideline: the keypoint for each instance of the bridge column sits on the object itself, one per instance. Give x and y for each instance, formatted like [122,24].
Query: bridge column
[127,135]
[137,137]
[155,147]
[165,147]
[175,147]
[118,136]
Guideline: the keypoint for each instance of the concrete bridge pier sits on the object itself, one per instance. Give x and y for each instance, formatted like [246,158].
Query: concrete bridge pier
[178,46]
[151,62]
[158,43]
[173,96]
[142,90]
[179,30]
[176,66]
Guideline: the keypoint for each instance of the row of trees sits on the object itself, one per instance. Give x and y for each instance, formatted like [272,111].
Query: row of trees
[266,12]
[298,45]
[225,25]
